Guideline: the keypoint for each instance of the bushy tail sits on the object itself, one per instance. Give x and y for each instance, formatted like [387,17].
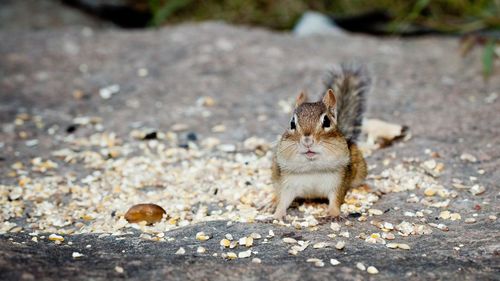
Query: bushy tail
[350,83]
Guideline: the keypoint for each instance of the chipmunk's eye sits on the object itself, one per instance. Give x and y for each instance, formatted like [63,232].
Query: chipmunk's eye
[292,124]
[326,122]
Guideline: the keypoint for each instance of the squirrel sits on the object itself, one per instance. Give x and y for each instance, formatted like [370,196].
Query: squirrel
[317,156]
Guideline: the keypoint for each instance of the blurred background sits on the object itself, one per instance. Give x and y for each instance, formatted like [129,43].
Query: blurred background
[476,22]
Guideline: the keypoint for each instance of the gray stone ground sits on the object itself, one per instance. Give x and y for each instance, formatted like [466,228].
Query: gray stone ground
[423,83]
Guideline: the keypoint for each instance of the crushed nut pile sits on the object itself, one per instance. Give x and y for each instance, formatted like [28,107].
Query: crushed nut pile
[197,182]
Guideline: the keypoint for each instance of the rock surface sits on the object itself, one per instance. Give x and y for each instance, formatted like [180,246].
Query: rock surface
[422,83]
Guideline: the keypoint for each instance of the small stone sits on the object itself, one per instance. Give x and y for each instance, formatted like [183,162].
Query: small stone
[119,269]
[492,217]
[361,266]
[229,236]
[372,270]
[231,255]
[201,250]
[150,213]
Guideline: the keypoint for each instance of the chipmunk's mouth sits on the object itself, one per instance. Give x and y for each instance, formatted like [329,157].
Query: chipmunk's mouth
[310,154]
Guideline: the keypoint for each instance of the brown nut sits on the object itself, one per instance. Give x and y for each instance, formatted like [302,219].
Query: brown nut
[150,213]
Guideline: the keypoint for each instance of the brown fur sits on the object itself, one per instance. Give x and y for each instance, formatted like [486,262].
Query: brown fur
[334,145]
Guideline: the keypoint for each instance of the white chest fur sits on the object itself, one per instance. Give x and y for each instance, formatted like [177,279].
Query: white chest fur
[311,185]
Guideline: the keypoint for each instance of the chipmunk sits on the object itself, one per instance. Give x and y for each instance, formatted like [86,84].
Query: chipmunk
[317,156]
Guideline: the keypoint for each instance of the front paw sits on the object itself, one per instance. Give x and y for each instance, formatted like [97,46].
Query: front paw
[279,215]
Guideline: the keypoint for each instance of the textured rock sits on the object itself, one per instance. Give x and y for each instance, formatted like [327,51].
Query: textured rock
[422,83]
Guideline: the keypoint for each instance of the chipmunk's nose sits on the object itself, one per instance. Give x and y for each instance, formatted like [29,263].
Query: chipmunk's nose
[307,141]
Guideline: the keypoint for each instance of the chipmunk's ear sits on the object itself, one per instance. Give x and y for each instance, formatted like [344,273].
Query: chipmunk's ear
[329,100]
[301,98]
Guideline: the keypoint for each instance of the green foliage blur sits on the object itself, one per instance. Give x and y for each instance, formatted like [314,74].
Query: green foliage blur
[454,16]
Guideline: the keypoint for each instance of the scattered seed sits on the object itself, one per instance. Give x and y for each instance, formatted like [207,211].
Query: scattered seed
[76,255]
[340,245]
[361,266]
[334,262]
[372,270]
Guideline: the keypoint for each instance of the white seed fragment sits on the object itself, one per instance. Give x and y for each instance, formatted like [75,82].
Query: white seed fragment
[55,237]
[245,254]
[76,255]
[335,226]
[468,157]
[470,220]
[255,235]
[375,212]
[372,270]
[492,217]
[225,243]
[320,245]
[256,260]
[289,240]
[229,237]
[340,245]
[201,236]
[119,269]
[201,250]
[361,266]
[334,262]
[231,255]
[181,251]
[477,189]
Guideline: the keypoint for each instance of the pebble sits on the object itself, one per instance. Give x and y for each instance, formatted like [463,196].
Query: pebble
[119,269]
[181,251]
[150,213]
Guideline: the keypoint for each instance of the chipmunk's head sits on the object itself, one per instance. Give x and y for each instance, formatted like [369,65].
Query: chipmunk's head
[312,135]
